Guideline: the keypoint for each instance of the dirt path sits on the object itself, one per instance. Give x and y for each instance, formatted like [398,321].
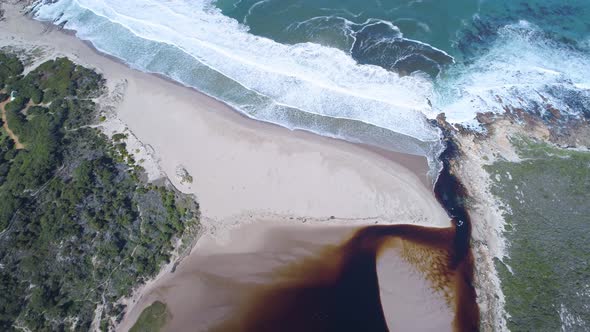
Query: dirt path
[17,144]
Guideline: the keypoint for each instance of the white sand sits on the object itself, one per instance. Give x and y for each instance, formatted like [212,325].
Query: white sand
[242,167]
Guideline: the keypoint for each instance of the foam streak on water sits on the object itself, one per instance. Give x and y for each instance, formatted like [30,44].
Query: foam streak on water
[304,86]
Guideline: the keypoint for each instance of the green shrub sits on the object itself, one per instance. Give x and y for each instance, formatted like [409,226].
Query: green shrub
[16,105]
[49,95]
[37,96]
[119,137]
[10,68]
[78,204]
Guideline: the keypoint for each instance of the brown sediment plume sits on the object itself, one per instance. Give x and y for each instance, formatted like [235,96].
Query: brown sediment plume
[338,289]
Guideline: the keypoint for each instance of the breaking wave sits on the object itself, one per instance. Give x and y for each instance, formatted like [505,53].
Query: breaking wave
[363,82]
[303,86]
[524,69]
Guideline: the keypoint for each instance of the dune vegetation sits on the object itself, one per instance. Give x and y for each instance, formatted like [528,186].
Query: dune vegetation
[79,227]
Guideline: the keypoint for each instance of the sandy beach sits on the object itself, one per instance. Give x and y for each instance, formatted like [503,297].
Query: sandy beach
[246,171]
[242,167]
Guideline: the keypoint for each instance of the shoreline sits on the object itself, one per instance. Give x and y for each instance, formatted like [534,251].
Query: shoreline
[488,240]
[405,159]
[428,176]
[408,160]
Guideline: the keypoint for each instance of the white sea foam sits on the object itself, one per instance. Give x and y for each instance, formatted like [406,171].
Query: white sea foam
[522,69]
[307,77]
[312,87]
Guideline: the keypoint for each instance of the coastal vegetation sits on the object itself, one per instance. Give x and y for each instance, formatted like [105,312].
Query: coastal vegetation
[79,228]
[545,275]
[152,318]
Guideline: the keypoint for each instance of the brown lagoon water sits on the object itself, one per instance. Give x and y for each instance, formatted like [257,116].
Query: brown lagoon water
[338,288]
[324,278]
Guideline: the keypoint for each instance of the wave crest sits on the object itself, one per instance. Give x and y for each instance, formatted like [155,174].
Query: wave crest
[308,77]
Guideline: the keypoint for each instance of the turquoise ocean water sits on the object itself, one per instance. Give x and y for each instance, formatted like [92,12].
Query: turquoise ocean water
[365,71]
[470,48]
[372,71]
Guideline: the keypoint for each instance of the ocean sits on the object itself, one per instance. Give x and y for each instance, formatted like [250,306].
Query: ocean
[372,72]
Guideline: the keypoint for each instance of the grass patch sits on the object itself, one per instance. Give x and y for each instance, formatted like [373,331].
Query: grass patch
[152,318]
[546,278]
